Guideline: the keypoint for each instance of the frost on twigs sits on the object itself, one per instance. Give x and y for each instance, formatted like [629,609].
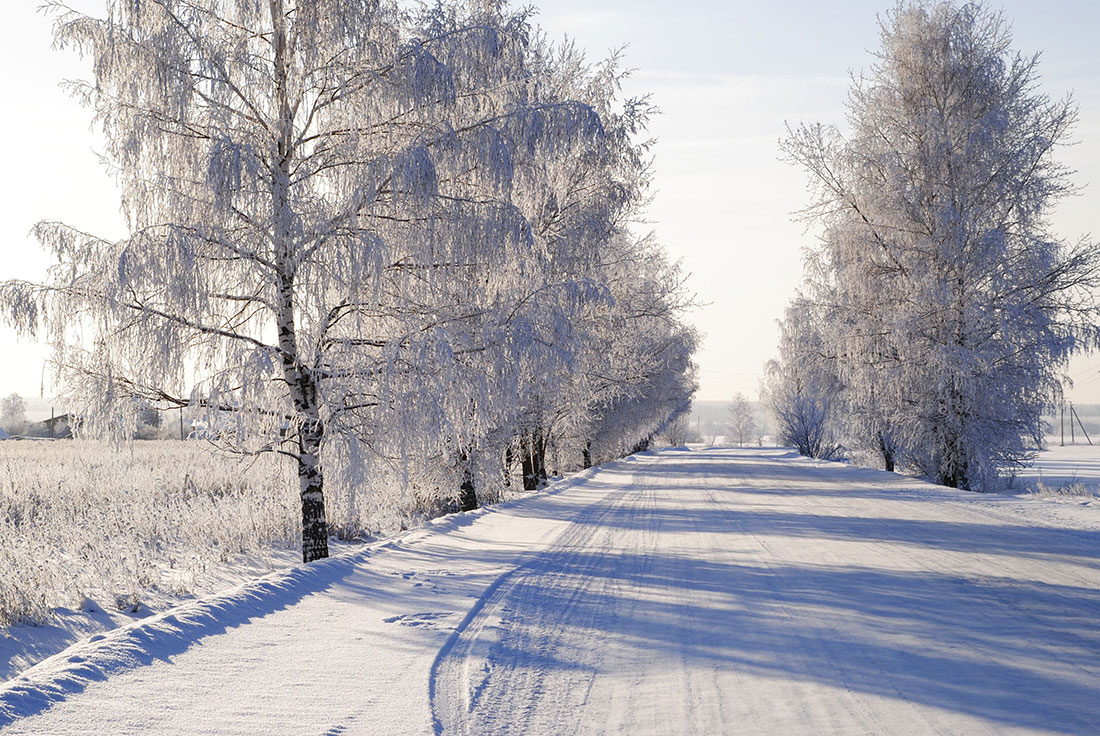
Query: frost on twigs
[21,300]
[939,308]
[378,242]
[82,521]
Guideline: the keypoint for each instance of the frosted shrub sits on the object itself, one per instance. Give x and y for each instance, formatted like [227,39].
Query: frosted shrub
[1075,489]
[82,520]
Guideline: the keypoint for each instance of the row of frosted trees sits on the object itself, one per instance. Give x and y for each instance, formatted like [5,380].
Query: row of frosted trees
[395,246]
[938,310]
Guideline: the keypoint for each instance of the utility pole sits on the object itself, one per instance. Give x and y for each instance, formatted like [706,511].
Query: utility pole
[1062,420]
[1079,423]
[1072,436]
[181,423]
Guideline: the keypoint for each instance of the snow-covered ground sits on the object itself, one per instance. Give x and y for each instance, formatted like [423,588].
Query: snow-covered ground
[1069,473]
[708,591]
[23,645]
[93,536]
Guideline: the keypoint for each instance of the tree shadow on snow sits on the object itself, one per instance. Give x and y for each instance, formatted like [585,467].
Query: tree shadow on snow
[162,637]
[1016,653]
[768,508]
[1006,649]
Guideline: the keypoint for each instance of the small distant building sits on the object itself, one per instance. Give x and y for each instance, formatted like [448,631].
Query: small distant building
[57,427]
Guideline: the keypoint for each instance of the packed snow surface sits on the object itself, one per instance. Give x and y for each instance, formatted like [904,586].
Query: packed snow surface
[702,592]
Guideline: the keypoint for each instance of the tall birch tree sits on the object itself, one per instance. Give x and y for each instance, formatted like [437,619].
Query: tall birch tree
[296,178]
[954,308]
[800,386]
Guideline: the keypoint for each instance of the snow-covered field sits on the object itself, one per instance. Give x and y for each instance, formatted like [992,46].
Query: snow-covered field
[93,537]
[1069,473]
[710,591]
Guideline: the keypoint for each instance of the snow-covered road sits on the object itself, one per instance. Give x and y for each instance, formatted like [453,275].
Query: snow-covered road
[704,592]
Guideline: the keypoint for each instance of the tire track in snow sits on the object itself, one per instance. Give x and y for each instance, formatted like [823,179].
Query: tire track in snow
[515,664]
[473,660]
[727,593]
[561,645]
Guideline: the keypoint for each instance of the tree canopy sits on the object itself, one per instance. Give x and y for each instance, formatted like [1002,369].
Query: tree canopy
[948,307]
[379,242]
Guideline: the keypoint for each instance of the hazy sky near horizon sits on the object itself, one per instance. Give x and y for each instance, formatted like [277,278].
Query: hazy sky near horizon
[727,77]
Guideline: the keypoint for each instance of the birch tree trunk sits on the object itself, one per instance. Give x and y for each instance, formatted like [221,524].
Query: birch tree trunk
[887,452]
[311,485]
[534,461]
[302,386]
[467,497]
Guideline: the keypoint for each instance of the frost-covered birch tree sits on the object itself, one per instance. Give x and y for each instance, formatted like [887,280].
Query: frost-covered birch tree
[302,183]
[853,300]
[13,414]
[742,421]
[451,406]
[636,368]
[593,275]
[800,386]
[953,307]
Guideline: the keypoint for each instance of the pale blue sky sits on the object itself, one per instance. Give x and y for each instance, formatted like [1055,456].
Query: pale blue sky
[726,76]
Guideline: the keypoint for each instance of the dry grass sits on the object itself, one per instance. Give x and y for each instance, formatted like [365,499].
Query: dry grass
[84,520]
